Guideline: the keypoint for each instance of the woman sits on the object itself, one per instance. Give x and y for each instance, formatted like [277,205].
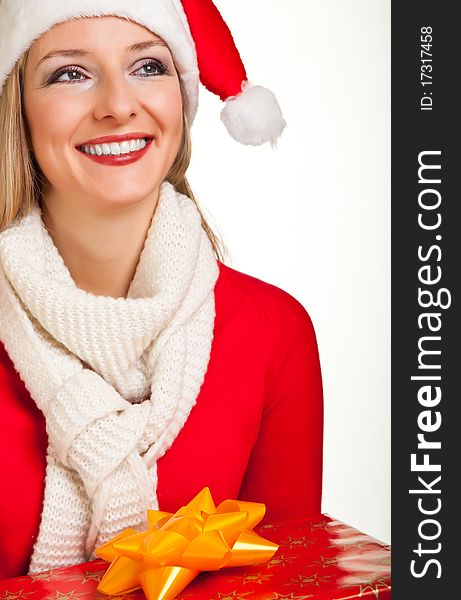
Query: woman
[135,367]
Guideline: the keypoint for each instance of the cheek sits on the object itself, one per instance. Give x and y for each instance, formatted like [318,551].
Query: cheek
[49,132]
[176,110]
[169,111]
[176,125]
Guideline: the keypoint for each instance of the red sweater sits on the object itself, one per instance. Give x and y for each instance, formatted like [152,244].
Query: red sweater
[255,432]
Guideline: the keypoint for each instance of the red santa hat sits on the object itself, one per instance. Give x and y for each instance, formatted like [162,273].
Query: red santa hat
[199,40]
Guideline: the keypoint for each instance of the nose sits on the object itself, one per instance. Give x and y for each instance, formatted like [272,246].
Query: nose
[116,98]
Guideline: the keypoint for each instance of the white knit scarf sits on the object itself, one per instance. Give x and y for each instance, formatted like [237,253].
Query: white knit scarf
[116,378]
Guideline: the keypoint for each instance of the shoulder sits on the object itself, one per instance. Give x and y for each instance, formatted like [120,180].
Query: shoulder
[282,313]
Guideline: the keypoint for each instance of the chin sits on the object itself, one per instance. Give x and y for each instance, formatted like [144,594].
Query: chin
[125,198]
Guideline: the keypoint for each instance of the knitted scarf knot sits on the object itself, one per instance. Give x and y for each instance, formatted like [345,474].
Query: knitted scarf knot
[115,378]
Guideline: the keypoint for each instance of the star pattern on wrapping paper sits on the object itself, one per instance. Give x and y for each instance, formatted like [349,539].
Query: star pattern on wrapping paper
[292,542]
[235,595]
[314,579]
[87,576]
[279,561]
[47,576]
[374,587]
[325,562]
[290,597]
[383,560]
[15,595]
[319,525]
[370,583]
[355,546]
[126,597]
[33,577]
[72,595]
[252,578]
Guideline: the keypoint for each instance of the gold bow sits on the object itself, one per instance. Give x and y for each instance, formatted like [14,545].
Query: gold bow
[176,547]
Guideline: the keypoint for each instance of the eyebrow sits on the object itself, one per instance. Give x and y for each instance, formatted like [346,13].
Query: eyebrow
[81,52]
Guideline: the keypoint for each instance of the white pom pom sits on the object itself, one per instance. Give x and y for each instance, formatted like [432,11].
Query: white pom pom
[254,116]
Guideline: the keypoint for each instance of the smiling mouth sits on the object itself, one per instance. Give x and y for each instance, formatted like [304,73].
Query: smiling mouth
[128,147]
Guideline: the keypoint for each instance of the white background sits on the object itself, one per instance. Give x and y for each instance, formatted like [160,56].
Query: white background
[313,216]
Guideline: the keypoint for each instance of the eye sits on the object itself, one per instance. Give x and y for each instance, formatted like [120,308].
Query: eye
[153,68]
[74,73]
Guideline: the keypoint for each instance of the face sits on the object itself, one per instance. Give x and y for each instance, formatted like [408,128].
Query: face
[109,78]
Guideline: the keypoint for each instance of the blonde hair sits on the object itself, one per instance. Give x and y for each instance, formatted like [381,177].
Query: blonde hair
[21,178]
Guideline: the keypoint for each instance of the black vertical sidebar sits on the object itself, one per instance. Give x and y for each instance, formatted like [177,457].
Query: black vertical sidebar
[426,261]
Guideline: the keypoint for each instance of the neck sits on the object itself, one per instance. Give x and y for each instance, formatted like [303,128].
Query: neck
[100,247]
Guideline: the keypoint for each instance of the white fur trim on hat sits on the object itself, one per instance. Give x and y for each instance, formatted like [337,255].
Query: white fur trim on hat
[23,21]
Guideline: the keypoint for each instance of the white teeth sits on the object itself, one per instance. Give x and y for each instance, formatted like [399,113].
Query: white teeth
[124,147]
[115,149]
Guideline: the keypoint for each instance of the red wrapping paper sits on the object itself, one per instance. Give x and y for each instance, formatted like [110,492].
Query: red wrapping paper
[324,559]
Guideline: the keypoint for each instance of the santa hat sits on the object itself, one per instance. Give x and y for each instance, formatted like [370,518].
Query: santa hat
[199,40]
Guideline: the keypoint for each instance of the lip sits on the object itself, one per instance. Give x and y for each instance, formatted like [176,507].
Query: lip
[119,160]
[107,139]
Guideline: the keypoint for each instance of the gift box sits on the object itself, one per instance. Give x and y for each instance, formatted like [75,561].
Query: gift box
[324,559]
